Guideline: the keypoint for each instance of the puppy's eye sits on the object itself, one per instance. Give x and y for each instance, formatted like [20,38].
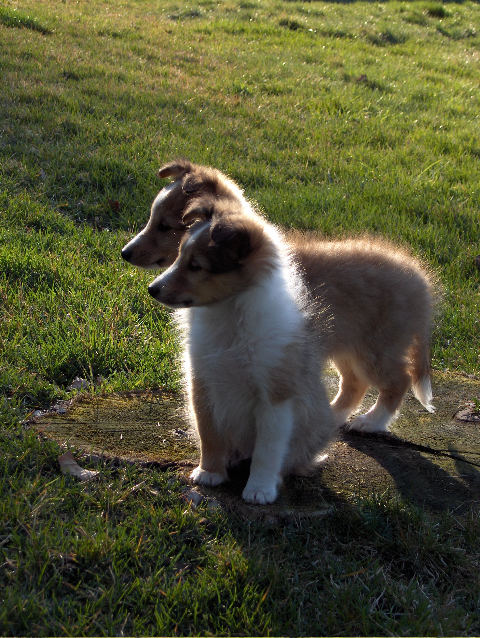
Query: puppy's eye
[194,265]
[163,227]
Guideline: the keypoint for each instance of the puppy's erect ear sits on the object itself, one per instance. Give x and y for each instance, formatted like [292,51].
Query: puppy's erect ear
[176,169]
[197,212]
[229,244]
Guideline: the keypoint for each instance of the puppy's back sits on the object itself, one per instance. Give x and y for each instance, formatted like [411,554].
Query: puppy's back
[376,292]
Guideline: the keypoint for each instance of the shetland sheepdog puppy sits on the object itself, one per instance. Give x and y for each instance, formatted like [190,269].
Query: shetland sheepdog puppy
[378,295]
[156,246]
[251,357]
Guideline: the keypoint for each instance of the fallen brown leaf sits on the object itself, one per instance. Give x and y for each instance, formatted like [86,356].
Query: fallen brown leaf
[68,465]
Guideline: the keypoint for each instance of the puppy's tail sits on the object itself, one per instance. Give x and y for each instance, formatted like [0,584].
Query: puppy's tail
[421,372]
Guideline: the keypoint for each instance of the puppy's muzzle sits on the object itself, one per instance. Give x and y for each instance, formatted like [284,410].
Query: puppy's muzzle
[155,290]
[169,299]
[127,254]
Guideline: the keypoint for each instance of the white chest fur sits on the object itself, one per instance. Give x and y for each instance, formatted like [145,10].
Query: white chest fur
[234,345]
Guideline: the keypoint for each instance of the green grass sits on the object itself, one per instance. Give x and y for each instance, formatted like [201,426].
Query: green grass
[342,118]
[14,18]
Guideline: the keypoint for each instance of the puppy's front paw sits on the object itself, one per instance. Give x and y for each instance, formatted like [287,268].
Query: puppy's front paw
[204,477]
[261,494]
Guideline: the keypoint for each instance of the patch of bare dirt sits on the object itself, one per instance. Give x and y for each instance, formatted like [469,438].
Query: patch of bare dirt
[430,459]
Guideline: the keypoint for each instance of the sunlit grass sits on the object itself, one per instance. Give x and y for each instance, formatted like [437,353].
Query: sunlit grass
[340,118]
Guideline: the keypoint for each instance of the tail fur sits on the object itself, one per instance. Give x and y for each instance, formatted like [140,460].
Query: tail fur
[423,392]
[421,371]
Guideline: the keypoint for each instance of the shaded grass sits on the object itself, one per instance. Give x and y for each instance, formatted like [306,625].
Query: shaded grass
[70,308]
[341,119]
[123,555]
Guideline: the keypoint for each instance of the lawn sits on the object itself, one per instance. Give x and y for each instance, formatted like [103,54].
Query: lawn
[336,117]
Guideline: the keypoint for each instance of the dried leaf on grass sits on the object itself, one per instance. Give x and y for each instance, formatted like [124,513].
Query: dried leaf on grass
[68,465]
[469,413]
[78,384]
[192,497]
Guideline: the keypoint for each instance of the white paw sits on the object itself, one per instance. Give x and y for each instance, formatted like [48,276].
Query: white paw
[320,460]
[340,416]
[204,477]
[364,423]
[259,494]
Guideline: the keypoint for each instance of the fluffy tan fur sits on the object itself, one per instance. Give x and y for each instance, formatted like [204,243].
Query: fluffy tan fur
[380,299]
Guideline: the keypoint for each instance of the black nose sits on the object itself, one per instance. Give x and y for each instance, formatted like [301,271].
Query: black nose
[152,290]
[126,253]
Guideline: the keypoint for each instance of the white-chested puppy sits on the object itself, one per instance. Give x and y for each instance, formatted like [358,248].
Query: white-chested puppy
[251,359]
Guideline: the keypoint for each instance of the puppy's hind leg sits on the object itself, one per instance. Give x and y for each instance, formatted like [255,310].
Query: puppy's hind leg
[392,388]
[352,388]
[274,423]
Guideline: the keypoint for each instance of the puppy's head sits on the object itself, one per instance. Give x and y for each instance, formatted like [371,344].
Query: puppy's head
[156,246]
[216,259]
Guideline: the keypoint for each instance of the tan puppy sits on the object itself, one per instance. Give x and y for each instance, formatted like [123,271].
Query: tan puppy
[379,297]
[156,246]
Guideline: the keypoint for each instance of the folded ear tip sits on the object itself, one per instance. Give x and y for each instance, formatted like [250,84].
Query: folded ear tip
[228,233]
[175,169]
[197,213]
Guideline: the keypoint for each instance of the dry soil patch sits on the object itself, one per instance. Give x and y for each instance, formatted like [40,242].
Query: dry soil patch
[431,459]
